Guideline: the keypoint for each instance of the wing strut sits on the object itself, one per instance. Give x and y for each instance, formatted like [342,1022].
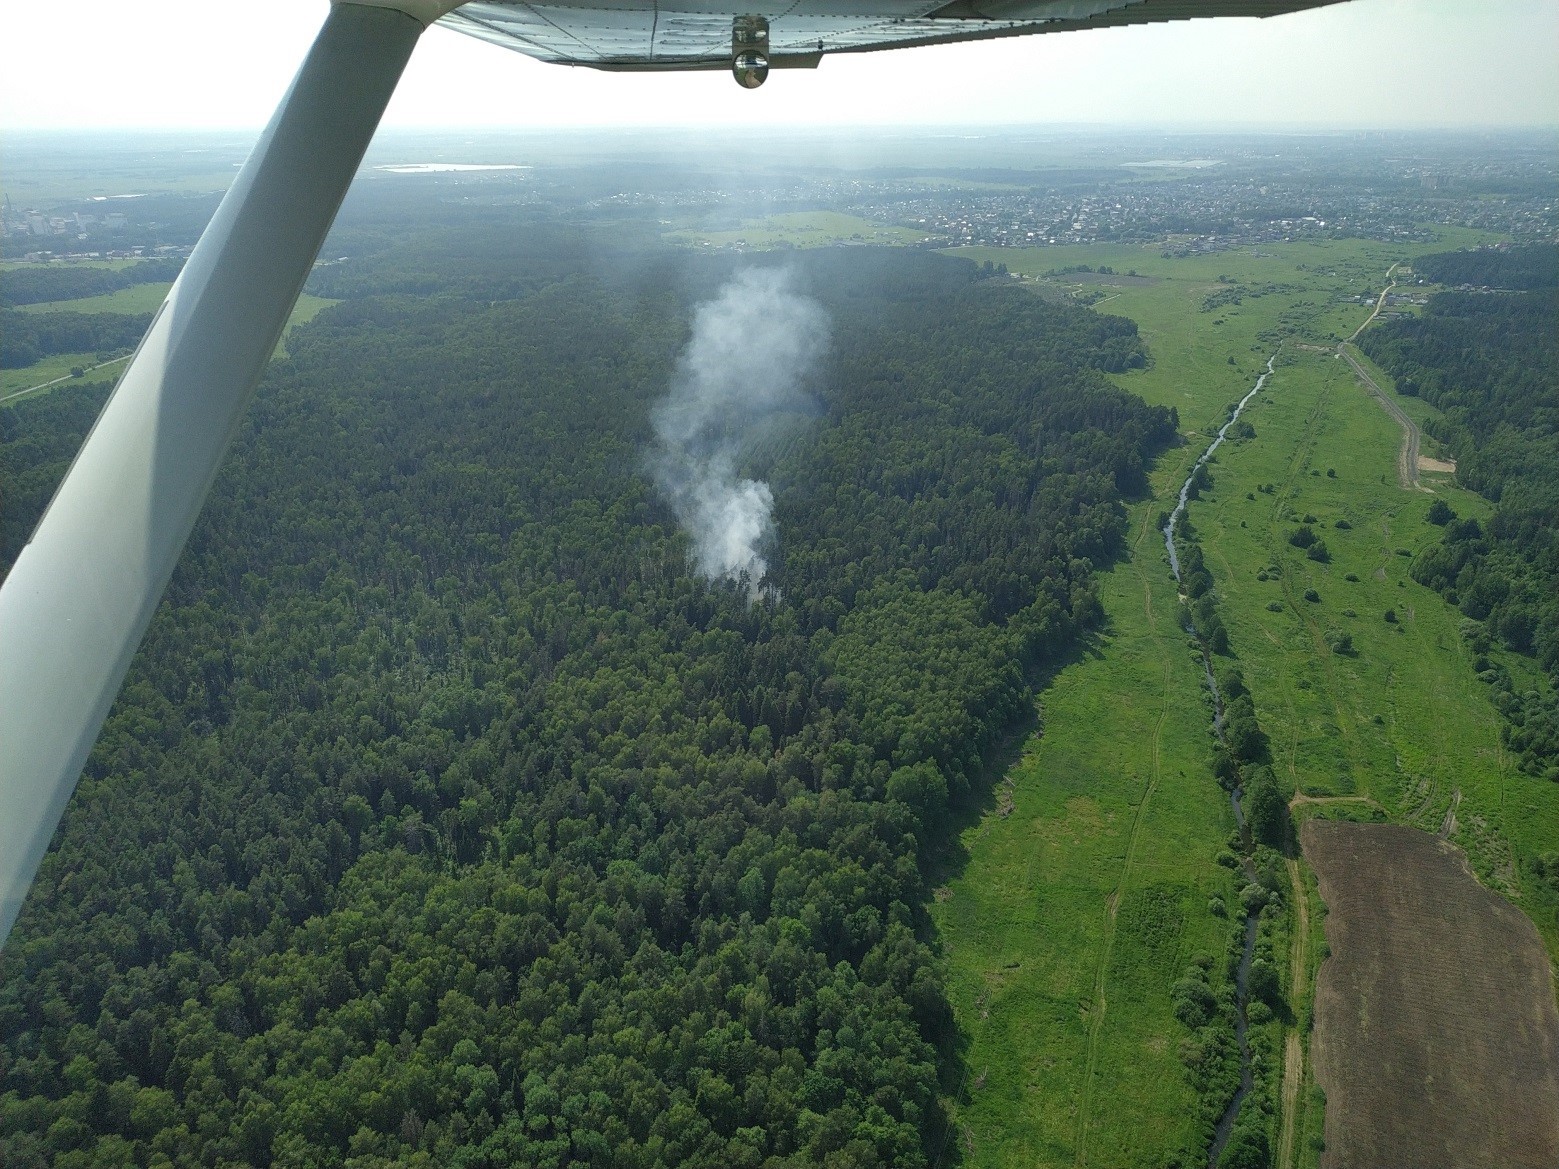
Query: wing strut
[83,590]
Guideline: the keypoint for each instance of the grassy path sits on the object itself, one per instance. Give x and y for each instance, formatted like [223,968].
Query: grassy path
[1407,456]
[1043,926]
[1112,909]
[16,384]
[1293,1042]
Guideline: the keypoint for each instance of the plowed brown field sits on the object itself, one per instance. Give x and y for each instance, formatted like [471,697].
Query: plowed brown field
[1436,1036]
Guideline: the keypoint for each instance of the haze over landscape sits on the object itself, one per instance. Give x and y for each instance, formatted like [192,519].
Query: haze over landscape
[987,605]
[1370,63]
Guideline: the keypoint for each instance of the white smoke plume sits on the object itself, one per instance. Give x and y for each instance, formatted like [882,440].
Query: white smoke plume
[751,351]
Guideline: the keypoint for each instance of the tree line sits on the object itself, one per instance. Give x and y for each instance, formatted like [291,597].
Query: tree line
[1490,361]
[42,284]
[25,338]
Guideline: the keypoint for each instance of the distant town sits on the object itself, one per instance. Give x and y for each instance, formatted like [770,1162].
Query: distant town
[1256,190]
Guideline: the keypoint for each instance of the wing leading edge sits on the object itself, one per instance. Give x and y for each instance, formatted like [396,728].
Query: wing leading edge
[687,34]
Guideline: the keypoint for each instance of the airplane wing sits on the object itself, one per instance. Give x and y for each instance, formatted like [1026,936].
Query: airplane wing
[687,34]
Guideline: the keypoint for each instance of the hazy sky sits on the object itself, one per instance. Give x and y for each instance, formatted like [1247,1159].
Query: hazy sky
[1384,63]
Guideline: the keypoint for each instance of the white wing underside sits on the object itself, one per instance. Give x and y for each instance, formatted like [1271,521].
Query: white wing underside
[687,34]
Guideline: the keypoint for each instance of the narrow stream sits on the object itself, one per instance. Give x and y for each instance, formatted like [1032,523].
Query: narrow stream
[1242,975]
[1185,489]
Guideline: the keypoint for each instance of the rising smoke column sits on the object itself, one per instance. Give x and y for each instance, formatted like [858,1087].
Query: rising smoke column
[751,350]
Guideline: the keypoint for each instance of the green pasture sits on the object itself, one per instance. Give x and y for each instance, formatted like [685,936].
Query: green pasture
[1058,981]
[113,265]
[1402,719]
[1071,1050]
[49,182]
[138,298]
[40,374]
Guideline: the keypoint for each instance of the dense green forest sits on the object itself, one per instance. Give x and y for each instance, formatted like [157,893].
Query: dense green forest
[26,337]
[1490,362]
[448,818]
[37,443]
[1527,267]
[43,284]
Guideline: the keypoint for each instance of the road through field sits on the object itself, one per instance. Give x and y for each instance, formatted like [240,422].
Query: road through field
[1407,457]
[1112,908]
[1112,904]
[14,394]
[1380,302]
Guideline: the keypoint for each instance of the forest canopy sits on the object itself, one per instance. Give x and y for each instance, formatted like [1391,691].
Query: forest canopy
[448,818]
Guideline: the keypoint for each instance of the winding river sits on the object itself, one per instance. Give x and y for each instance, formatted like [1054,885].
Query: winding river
[1242,975]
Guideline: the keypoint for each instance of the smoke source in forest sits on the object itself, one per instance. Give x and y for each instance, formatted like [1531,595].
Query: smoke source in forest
[752,349]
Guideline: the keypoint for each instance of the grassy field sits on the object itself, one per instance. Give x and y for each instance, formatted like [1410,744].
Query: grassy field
[305,310]
[38,375]
[1059,975]
[50,176]
[112,265]
[799,229]
[1072,1048]
[138,298]
[1455,1061]
[1401,718]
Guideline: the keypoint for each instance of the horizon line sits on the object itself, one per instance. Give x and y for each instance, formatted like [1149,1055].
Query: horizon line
[1187,127]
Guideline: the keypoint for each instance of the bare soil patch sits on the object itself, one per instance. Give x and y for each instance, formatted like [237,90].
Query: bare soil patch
[1436,1035]
[1445,466]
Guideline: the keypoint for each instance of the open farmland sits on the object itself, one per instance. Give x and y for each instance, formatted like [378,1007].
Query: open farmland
[1399,726]
[1436,1039]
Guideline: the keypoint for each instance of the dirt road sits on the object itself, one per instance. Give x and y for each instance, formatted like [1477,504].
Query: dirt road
[14,394]
[1380,303]
[1407,457]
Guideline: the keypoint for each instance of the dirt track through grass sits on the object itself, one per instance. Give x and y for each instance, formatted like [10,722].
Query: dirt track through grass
[1436,1036]
[1408,457]
[1112,907]
[1293,1044]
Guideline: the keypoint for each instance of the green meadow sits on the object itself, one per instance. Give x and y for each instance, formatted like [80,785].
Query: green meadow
[1060,974]
[15,383]
[1059,981]
[40,374]
[138,298]
[110,265]
[1398,717]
